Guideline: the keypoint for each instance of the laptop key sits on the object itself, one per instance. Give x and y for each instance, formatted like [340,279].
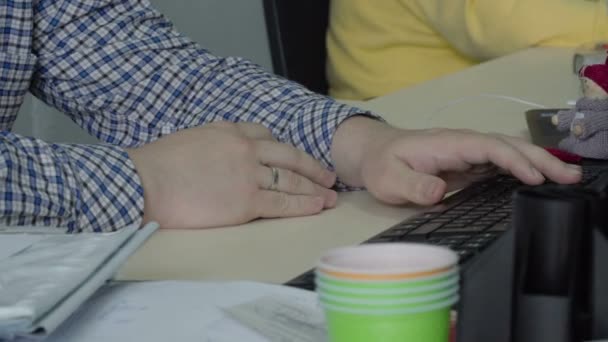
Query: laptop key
[381,239]
[427,228]
[499,227]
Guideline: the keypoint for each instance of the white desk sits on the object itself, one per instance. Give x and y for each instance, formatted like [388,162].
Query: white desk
[541,76]
[277,250]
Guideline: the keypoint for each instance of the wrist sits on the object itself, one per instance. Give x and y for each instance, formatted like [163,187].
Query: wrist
[352,141]
[146,180]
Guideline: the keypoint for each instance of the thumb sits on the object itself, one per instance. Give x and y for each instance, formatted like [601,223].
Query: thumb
[421,188]
[405,185]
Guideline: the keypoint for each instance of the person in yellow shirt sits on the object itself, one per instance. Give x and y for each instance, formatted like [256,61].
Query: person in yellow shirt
[377,47]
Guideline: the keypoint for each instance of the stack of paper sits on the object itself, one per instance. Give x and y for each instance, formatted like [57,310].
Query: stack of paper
[45,277]
[190,311]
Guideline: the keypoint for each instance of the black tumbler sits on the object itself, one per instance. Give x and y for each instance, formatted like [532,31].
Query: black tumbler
[552,266]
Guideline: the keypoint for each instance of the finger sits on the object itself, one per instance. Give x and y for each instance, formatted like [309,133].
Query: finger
[290,158]
[437,162]
[546,163]
[271,204]
[401,184]
[483,169]
[480,149]
[293,183]
[255,131]
[460,180]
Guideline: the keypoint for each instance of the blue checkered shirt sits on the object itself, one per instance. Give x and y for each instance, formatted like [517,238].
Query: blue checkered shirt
[120,71]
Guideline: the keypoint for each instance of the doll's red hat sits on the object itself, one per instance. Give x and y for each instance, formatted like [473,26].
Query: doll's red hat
[598,73]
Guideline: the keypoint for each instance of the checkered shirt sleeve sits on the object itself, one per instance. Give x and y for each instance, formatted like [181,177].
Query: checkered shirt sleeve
[122,72]
[79,187]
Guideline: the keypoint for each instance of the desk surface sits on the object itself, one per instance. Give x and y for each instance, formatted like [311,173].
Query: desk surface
[277,250]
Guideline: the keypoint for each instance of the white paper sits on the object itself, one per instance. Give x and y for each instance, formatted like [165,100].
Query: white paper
[51,275]
[14,243]
[172,311]
[281,318]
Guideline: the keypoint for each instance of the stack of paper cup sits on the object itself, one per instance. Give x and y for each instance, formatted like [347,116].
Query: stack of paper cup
[388,292]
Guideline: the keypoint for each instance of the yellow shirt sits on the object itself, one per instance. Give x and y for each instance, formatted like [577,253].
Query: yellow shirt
[376,47]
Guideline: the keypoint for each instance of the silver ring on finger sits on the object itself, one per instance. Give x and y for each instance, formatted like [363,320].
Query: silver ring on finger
[274,183]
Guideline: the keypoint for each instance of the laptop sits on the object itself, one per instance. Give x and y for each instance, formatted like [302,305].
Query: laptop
[471,220]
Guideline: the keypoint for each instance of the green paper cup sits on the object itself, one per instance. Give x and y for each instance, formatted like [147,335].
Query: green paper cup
[387,262]
[422,307]
[394,288]
[387,284]
[430,323]
[388,292]
[388,303]
[379,293]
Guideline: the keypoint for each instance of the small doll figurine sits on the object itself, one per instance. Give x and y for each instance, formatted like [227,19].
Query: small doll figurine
[588,120]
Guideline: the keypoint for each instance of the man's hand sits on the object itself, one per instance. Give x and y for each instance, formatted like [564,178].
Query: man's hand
[420,166]
[220,174]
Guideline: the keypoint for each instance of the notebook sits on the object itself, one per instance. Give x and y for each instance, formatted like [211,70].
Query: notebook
[45,276]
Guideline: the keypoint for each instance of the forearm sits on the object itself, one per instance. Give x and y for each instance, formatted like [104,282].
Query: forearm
[129,78]
[74,187]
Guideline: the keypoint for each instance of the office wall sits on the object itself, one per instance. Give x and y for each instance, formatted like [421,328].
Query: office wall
[226,27]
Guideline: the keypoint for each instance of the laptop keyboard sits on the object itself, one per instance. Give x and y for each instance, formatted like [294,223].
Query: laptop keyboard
[466,222]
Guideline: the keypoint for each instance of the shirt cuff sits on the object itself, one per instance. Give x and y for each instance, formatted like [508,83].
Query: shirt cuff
[110,194]
[313,130]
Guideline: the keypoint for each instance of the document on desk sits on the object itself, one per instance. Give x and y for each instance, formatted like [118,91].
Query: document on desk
[190,311]
[45,277]
[11,244]
[281,318]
